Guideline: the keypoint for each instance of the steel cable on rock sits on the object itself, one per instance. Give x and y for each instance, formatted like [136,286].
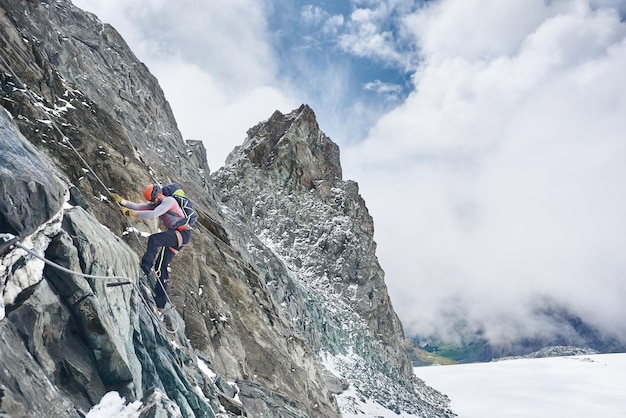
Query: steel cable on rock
[59,267]
[12,240]
[66,140]
[3,237]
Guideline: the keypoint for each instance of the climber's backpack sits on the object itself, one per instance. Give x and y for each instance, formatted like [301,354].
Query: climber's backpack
[185,204]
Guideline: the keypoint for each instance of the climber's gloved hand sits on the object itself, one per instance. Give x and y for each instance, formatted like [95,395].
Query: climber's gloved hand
[118,199]
[128,212]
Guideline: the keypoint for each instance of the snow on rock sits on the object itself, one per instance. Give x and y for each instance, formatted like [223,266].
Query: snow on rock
[112,405]
[285,182]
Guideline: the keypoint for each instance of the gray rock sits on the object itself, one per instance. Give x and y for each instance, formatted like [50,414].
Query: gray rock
[30,197]
[285,183]
[281,273]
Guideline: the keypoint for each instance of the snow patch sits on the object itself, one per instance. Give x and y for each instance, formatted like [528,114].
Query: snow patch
[353,405]
[206,370]
[31,271]
[112,405]
[133,230]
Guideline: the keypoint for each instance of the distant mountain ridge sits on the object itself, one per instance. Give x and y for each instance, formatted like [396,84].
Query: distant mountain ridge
[557,351]
[572,331]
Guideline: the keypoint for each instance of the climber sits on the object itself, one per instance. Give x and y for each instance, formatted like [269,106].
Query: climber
[162,245]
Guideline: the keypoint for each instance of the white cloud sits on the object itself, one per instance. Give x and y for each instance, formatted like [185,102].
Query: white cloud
[383,88]
[313,15]
[215,65]
[372,32]
[333,24]
[316,16]
[209,112]
[505,168]
[497,180]
[228,40]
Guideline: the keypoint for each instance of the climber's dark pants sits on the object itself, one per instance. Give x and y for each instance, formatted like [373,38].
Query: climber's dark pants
[164,246]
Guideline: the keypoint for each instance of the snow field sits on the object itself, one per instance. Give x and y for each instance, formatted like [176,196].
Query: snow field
[573,387]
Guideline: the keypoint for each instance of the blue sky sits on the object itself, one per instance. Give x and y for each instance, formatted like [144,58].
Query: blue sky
[487,137]
[330,55]
[314,40]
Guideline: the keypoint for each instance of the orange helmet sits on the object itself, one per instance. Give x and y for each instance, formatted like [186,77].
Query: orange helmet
[151,192]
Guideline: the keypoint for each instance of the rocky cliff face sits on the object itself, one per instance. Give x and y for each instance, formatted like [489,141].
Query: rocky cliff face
[280,304]
[285,182]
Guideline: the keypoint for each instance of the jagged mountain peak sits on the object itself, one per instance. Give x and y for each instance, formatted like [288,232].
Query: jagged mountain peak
[279,297]
[293,146]
[285,184]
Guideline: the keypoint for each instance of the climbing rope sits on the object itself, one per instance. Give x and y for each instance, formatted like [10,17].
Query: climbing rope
[66,140]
